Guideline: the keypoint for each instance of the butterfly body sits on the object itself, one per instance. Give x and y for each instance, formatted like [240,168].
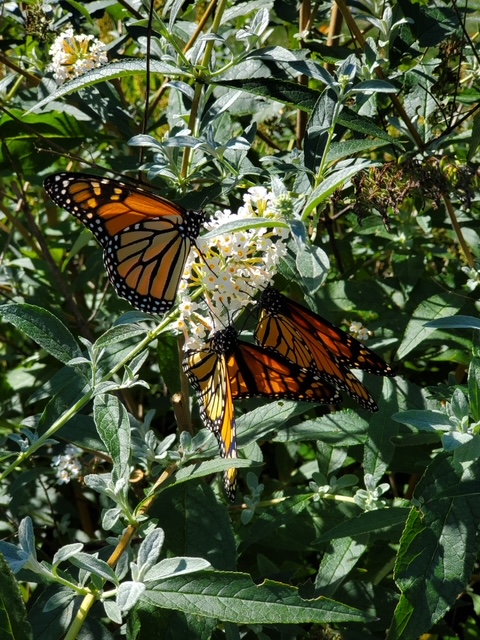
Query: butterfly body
[228,369]
[145,238]
[307,339]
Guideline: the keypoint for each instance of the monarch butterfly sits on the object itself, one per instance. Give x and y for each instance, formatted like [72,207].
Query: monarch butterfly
[304,337]
[227,368]
[145,238]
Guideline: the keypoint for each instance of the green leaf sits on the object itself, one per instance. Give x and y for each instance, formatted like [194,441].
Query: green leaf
[66,552]
[44,328]
[349,148]
[202,469]
[331,183]
[454,322]
[239,9]
[434,308]
[175,566]
[113,427]
[438,548]
[289,93]
[355,122]
[344,427]
[110,71]
[258,423]
[474,388]
[380,520]
[337,563]
[430,24]
[95,566]
[321,122]
[234,597]
[381,447]
[119,333]
[313,266]
[245,224]
[425,420]
[192,507]
[293,60]
[373,86]
[13,615]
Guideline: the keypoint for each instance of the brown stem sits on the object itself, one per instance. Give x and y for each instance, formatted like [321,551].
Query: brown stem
[302,116]
[458,231]
[334,30]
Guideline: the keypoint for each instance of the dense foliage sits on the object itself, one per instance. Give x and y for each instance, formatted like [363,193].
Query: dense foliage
[347,524]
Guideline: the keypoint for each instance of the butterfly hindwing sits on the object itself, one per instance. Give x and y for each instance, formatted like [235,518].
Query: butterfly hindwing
[146,239]
[206,369]
[306,338]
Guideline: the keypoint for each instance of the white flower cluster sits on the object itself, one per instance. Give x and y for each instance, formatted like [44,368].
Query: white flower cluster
[234,267]
[359,331]
[74,55]
[67,466]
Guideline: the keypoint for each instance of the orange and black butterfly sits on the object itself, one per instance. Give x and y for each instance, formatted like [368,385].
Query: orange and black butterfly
[305,338]
[227,369]
[146,239]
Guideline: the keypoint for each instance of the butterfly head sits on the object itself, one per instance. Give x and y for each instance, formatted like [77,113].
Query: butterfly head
[271,300]
[225,341]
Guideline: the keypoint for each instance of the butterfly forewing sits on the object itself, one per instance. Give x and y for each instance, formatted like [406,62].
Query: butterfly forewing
[146,239]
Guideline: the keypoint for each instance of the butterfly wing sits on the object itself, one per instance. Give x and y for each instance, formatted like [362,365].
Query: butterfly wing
[145,238]
[347,349]
[207,372]
[296,333]
[227,369]
[254,371]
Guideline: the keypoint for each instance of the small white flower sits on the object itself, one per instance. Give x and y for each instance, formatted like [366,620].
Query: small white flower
[355,327]
[363,334]
[359,331]
[67,466]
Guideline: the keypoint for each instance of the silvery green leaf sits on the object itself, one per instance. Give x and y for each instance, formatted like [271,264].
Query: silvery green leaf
[128,594]
[16,557]
[174,567]
[113,611]
[66,552]
[26,538]
[60,599]
[95,566]
[150,549]
[96,482]
[110,518]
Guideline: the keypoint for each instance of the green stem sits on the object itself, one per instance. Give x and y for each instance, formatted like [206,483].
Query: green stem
[88,602]
[319,177]
[192,122]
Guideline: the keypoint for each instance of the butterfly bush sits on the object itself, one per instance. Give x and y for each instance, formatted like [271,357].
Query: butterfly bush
[233,267]
[74,55]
